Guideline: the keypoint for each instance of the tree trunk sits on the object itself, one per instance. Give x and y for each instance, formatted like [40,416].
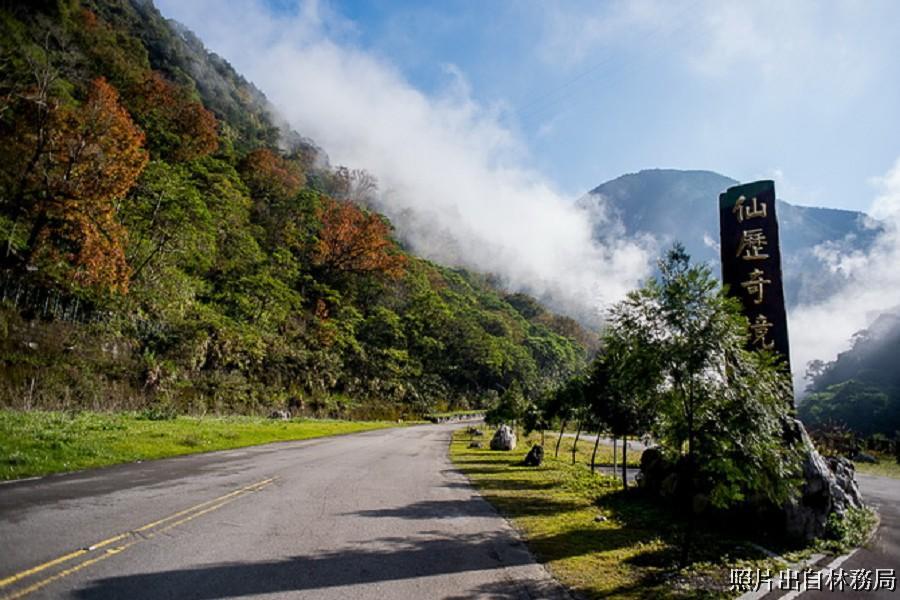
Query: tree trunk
[36,229]
[615,452]
[689,529]
[625,462]
[559,441]
[594,454]
[575,444]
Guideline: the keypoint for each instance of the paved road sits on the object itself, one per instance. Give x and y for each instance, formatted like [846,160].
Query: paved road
[884,550]
[374,515]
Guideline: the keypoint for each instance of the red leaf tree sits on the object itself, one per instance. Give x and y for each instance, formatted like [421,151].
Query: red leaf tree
[90,157]
[354,241]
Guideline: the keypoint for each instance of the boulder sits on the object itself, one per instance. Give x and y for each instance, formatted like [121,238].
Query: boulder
[504,439]
[475,444]
[829,488]
[535,456]
[280,415]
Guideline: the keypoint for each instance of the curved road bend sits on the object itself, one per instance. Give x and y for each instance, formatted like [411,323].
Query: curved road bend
[381,514]
[883,552]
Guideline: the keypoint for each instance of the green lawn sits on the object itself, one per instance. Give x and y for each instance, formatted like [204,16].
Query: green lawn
[38,443]
[630,554]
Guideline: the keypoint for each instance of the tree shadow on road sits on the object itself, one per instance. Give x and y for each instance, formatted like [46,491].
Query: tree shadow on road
[503,484]
[385,559]
[462,508]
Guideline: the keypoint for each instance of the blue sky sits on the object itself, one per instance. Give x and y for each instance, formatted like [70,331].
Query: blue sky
[806,93]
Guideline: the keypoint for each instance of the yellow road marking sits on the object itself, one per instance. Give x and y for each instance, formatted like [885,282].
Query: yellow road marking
[44,582]
[215,502]
[41,567]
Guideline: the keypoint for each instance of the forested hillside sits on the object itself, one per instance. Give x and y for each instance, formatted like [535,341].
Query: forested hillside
[860,389]
[168,247]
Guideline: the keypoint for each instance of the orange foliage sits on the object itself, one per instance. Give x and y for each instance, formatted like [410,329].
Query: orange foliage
[95,157]
[164,109]
[89,18]
[353,241]
[268,174]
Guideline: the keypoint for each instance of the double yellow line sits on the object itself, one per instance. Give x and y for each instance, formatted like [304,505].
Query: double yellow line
[128,539]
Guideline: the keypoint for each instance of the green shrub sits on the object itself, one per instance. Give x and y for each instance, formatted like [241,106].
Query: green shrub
[851,530]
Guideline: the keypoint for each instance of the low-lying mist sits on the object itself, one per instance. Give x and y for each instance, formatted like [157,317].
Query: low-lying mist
[871,286]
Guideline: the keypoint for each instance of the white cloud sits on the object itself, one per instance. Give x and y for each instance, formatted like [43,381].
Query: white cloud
[872,286]
[451,174]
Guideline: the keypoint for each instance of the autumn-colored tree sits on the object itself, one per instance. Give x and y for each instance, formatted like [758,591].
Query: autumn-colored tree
[270,176]
[178,128]
[83,160]
[354,241]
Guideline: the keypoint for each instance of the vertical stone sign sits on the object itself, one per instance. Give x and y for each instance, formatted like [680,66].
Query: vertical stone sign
[751,262]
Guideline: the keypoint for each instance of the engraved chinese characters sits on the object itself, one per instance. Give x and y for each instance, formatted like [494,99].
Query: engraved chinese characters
[751,261]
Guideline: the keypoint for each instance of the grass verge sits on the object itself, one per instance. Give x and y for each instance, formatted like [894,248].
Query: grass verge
[630,552]
[39,443]
[886,467]
[453,414]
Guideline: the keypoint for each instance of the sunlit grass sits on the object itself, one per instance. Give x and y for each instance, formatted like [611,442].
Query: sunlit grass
[886,467]
[38,443]
[630,552]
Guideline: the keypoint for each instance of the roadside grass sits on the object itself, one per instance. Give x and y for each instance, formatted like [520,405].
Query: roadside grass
[887,466]
[630,553]
[450,414]
[39,443]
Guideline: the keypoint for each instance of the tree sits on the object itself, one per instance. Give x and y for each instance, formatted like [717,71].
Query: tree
[357,242]
[534,420]
[82,161]
[178,128]
[510,409]
[617,395]
[168,222]
[354,185]
[681,342]
[270,176]
[565,404]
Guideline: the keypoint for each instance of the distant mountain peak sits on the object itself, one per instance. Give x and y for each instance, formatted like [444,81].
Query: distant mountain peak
[682,205]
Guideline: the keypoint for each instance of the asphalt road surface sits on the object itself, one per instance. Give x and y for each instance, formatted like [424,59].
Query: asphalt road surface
[883,552]
[380,515]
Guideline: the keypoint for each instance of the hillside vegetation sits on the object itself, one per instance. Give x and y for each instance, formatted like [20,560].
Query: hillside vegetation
[860,389]
[167,246]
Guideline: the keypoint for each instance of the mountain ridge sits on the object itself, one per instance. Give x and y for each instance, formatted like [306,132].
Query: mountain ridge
[682,205]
